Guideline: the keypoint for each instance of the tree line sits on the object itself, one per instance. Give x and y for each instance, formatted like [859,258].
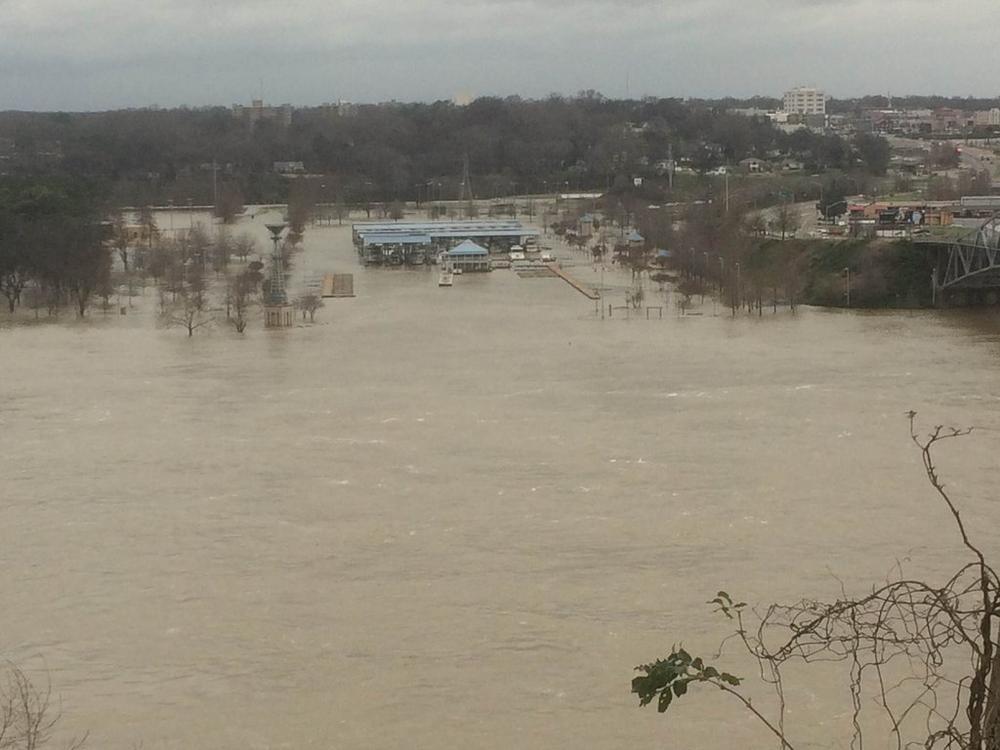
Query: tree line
[62,244]
[52,240]
[412,152]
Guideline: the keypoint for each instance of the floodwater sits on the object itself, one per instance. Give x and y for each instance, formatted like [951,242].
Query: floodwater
[457,518]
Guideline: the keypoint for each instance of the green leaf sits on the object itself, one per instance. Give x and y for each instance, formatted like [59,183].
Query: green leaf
[728,678]
[664,703]
[680,687]
[710,672]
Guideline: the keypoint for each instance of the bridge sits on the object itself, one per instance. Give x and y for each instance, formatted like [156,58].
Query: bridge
[967,269]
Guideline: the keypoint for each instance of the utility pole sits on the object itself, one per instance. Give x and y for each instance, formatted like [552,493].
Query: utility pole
[215,183]
[601,292]
[848,272]
[670,166]
[727,190]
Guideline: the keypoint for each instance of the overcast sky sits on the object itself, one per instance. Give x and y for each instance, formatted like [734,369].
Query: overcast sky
[102,54]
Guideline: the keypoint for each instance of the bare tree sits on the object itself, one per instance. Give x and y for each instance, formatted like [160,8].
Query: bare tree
[120,237]
[15,270]
[27,717]
[341,209]
[195,246]
[147,223]
[786,220]
[186,311]
[230,203]
[927,656]
[222,249]
[755,225]
[244,246]
[310,303]
[240,294]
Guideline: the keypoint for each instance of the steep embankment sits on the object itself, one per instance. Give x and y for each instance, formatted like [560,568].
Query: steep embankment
[883,273]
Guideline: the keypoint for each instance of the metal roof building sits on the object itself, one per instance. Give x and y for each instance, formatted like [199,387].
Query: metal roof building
[468,229]
[396,239]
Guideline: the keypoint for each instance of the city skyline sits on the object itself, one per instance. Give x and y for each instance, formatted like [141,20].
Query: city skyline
[68,55]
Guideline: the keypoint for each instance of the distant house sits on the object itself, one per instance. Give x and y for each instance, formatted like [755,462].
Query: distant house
[635,240]
[753,165]
[289,167]
[792,165]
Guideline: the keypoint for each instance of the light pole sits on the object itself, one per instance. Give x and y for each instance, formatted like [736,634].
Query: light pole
[739,297]
[600,292]
[847,271]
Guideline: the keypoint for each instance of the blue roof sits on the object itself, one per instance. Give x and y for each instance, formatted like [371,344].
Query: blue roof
[446,229]
[663,253]
[459,233]
[468,248]
[634,236]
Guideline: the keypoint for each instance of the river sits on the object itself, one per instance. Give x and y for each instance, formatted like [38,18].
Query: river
[456,518]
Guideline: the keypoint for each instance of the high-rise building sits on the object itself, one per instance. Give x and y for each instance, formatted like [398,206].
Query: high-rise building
[805,101]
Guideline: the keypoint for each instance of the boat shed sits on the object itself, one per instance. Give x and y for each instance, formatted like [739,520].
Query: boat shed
[394,247]
[469,257]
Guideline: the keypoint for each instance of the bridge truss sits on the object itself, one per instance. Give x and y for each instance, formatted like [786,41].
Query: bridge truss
[971,260]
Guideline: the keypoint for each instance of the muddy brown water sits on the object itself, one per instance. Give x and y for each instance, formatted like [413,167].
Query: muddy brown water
[444,518]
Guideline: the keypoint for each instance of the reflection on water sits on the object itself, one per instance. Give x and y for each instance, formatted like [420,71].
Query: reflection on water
[453,517]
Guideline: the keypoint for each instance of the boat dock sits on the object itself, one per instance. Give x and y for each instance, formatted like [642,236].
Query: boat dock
[585,291]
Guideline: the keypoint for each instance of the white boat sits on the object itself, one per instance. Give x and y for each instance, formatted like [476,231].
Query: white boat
[445,277]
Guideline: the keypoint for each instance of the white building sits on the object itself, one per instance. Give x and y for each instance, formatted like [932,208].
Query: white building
[805,101]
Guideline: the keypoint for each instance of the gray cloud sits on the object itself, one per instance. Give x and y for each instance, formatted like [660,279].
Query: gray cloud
[88,54]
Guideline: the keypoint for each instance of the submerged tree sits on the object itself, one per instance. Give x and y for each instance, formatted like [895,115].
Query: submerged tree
[309,304]
[240,294]
[927,653]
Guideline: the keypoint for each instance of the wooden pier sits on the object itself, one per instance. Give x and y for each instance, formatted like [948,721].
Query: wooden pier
[585,291]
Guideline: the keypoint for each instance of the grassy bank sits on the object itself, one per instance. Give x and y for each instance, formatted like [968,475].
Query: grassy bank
[883,273]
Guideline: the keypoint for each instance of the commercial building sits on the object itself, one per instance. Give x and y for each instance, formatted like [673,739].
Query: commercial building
[258,112]
[396,242]
[805,101]
[897,218]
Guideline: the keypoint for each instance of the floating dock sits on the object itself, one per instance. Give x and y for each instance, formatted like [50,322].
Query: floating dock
[338,285]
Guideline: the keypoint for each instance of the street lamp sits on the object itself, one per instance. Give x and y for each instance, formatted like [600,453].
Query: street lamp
[847,271]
